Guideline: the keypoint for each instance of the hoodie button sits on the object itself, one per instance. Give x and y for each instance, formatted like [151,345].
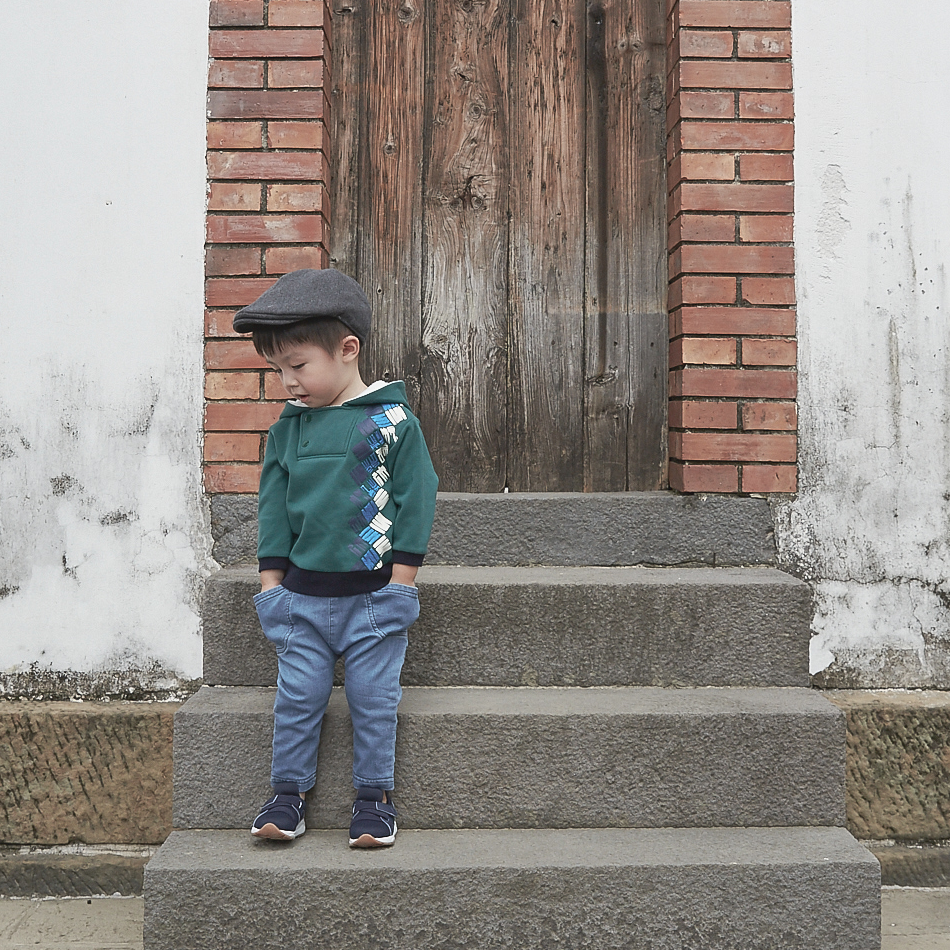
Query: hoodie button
[306,418]
[306,444]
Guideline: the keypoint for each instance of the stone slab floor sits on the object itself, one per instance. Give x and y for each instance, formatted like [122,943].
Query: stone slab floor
[71,923]
[913,919]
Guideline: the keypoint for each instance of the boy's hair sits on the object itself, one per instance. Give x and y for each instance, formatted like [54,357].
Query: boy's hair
[326,332]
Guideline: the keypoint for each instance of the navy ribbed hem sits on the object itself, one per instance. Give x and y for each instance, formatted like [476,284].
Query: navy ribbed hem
[408,558]
[336,584]
[273,563]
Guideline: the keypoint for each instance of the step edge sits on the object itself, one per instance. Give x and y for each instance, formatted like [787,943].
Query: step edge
[608,847]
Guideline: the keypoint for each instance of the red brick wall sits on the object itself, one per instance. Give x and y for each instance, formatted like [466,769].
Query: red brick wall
[267,205]
[732,268]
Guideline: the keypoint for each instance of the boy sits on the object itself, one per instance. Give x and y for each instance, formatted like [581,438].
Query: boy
[346,503]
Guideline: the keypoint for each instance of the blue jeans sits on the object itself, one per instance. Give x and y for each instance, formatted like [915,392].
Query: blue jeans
[310,634]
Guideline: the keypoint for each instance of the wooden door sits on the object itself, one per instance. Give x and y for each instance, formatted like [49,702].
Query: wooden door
[499,191]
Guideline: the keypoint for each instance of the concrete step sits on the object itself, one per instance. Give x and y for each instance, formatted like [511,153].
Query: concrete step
[539,758]
[89,871]
[568,626]
[564,528]
[652,889]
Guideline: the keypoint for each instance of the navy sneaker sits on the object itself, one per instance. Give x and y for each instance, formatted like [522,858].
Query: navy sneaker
[281,819]
[374,820]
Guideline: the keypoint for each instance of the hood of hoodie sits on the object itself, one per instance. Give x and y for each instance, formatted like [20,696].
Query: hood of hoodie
[394,392]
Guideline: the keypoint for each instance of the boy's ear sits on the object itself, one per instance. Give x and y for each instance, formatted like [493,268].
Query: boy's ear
[351,348]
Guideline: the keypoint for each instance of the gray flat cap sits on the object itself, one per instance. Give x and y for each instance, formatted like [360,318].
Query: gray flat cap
[304,294]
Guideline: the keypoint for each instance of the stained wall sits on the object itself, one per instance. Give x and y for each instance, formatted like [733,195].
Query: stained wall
[869,527]
[103,529]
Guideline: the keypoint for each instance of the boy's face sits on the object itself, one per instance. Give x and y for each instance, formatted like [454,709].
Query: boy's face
[318,378]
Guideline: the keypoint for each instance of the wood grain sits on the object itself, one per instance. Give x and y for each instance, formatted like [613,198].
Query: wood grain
[498,189]
[346,96]
[390,182]
[625,328]
[546,251]
[647,454]
[464,311]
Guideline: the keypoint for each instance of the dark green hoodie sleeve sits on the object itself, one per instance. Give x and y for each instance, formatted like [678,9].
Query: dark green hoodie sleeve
[275,538]
[414,485]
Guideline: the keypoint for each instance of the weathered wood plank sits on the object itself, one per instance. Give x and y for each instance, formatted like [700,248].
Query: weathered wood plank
[647,450]
[464,310]
[606,332]
[625,330]
[546,249]
[425,164]
[390,239]
[347,107]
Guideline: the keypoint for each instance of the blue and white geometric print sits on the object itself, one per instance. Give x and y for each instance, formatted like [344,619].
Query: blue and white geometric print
[371,475]
[386,417]
[371,491]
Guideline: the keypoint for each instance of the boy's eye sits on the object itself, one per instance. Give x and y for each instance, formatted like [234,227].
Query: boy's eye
[299,366]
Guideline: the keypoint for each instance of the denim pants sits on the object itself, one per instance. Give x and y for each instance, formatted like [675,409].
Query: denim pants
[310,634]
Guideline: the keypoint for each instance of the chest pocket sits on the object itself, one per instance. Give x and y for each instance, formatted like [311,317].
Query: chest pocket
[325,432]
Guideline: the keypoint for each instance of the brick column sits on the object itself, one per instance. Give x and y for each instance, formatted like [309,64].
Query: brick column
[731,264]
[267,205]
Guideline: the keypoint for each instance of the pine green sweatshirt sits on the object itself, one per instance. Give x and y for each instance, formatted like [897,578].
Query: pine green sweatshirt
[345,492]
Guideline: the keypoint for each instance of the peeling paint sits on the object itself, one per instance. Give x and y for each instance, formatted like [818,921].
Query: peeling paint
[117,517]
[104,534]
[62,484]
[832,223]
[870,526]
[118,540]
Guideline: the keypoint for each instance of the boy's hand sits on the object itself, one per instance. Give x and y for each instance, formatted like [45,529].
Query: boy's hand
[404,574]
[271,579]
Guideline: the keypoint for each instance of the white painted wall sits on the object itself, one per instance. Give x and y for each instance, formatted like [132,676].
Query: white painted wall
[870,525]
[103,534]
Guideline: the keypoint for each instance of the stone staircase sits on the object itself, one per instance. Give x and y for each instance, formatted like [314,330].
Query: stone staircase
[607,739]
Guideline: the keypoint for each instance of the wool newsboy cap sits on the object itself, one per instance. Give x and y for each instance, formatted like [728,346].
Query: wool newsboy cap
[305,294]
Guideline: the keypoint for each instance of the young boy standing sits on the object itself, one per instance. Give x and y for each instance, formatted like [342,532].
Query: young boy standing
[346,503]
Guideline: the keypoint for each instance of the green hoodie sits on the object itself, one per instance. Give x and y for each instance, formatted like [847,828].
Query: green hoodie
[345,492]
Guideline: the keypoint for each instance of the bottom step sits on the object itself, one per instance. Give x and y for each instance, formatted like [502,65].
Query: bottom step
[690,889]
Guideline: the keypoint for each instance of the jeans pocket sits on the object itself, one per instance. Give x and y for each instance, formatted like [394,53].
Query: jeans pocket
[272,593]
[393,609]
[273,611]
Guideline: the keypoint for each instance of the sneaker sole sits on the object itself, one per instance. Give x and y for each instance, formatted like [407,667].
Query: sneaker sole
[273,833]
[368,841]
